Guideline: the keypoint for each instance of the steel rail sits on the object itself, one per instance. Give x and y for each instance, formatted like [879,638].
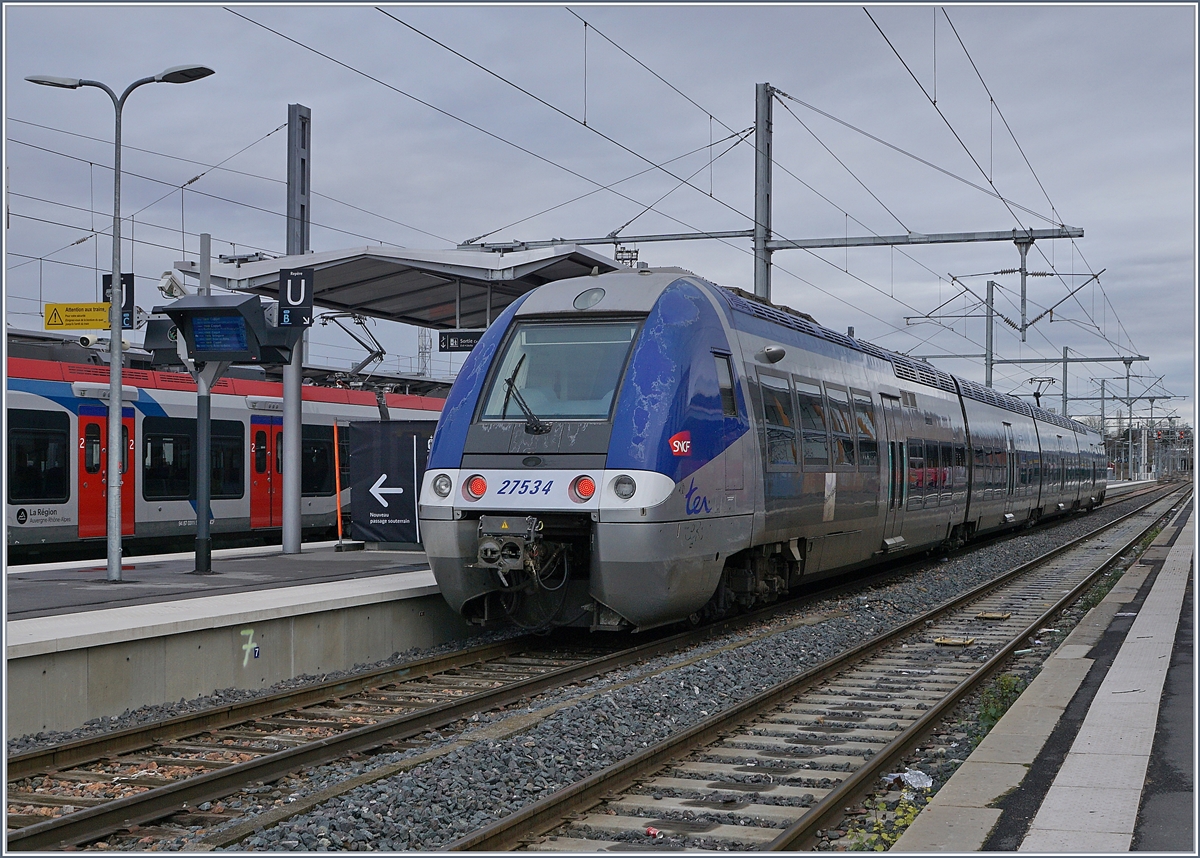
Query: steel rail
[545,814]
[93,748]
[830,809]
[92,823]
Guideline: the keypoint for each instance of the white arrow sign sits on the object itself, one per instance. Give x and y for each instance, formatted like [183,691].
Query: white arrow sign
[379,492]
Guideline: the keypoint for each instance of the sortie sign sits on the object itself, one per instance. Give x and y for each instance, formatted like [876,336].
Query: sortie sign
[77,317]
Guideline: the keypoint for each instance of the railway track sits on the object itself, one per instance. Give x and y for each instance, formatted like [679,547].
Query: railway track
[79,792]
[86,790]
[771,771]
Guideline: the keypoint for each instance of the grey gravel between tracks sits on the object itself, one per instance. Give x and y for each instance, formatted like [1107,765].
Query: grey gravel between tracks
[596,723]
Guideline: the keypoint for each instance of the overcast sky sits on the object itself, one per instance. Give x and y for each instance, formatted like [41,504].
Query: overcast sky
[417,146]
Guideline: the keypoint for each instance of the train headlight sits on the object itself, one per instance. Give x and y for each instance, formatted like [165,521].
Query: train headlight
[582,488]
[442,485]
[476,487]
[624,487]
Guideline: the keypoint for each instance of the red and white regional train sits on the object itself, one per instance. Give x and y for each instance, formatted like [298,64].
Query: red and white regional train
[57,454]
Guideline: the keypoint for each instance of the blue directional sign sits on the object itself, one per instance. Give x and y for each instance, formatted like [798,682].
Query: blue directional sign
[295,297]
[127,310]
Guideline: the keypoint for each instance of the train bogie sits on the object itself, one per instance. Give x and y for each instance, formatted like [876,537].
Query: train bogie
[731,449]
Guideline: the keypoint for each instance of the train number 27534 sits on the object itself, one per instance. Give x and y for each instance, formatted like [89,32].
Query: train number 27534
[525,487]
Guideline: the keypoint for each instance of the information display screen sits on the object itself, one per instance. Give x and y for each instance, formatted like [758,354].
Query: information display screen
[219,333]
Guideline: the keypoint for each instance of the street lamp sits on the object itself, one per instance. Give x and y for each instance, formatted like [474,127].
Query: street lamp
[175,74]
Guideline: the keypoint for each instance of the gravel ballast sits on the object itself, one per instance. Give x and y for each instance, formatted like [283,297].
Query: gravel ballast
[590,725]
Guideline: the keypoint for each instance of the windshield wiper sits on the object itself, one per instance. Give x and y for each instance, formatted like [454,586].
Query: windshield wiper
[533,426]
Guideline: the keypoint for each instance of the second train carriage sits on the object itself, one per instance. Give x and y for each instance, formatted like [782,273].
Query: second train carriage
[632,449]
[57,453]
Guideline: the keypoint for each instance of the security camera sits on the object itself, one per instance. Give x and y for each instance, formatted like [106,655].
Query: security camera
[170,286]
[87,341]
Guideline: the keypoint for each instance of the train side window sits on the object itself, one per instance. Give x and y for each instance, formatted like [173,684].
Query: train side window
[779,420]
[124,448]
[868,438]
[167,466]
[812,425]
[841,424]
[916,473]
[38,449]
[91,448]
[725,384]
[933,471]
[279,453]
[260,452]
[228,448]
[948,466]
[316,461]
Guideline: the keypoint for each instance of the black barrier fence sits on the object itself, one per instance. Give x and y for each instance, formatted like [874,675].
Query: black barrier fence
[387,462]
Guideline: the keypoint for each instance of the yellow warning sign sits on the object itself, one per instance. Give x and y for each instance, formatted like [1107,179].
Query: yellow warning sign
[85,317]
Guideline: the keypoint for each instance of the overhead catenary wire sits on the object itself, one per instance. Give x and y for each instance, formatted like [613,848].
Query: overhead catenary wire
[180,187]
[967,150]
[563,113]
[491,134]
[232,171]
[784,168]
[594,191]
[1037,179]
[682,181]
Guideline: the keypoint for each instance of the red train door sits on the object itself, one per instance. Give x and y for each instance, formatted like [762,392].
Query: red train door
[93,471]
[266,471]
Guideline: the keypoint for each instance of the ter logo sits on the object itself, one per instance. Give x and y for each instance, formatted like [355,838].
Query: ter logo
[681,443]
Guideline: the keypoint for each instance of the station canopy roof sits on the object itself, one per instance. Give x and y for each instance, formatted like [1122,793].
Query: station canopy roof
[416,287]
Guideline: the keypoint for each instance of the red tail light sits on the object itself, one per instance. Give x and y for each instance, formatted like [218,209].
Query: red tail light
[583,488]
[476,487]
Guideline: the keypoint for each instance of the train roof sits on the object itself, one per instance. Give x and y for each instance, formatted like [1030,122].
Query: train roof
[637,290]
[53,346]
[47,370]
[905,367]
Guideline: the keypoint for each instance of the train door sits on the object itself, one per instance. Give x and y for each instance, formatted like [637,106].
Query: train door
[93,471]
[266,471]
[732,457]
[1010,472]
[896,485]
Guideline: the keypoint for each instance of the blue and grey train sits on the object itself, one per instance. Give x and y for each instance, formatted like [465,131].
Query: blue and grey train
[626,450]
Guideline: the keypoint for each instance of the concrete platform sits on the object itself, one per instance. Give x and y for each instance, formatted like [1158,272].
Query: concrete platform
[78,647]
[1092,804]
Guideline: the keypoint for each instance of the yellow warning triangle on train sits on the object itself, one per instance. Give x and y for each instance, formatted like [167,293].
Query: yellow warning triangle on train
[504,525]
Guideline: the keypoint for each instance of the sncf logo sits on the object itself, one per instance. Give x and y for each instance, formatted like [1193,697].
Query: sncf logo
[681,444]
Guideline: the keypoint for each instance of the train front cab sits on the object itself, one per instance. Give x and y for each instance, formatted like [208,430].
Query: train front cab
[659,432]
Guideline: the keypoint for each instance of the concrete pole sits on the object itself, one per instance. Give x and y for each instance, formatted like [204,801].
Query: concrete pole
[298,172]
[988,354]
[763,101]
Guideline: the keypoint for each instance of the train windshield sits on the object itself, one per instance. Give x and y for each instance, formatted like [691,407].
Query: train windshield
[561,370]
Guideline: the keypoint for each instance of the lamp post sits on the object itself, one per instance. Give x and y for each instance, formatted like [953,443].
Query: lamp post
[175,74]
